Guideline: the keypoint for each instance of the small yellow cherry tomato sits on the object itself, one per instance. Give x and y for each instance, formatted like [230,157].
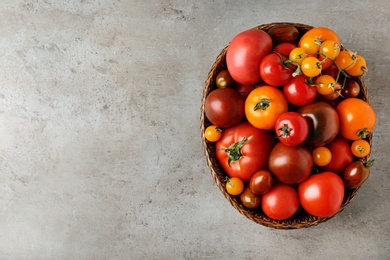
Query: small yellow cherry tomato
[213,133]
[360,148]
[321,156]
[234,186]
[311,67]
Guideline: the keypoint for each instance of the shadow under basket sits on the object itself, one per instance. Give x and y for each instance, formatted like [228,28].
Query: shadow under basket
[301,219]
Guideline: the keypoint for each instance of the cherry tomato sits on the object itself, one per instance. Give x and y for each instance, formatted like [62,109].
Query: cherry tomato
[274,71]
[325,84]
[290,164]
[261,182]
[234,186]
[336,92]
[298,92]
[323,123]
[213,133]
[345,59]
[342,156]
[322,194]
[243,150]
[311,67]
[298,54]
[357,118]
[281,202]
[310,44]
[322,34]
[351,89]
[244,54]
[264,105]
[249,199]
[356,174]
[358,68]
[291,128]
[224,80]
[321,156]
[329,50]
[360,148]
[284,48]
[224,107]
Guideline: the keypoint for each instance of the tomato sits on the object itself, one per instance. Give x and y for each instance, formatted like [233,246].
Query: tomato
[283,33]
[323,123]
[284,48]
[311,67]
[243,150]
[336,92]
[321,156]
[342,156]
[261,182]
[291,128]
[244,90]
[249,199]
[322,34]
[357,118]
[297,55]
[274,71]
[325,84]
[329,50]
[290,164]
[356,174]
[298,92]
[332,71]
[322,194]
[351,89]
[360,148]
[346,59]
[264,105]
[244,54]
[281,202]
[358,68]
[224,79]
[224,107]
[213,133]
[234,186]
[310,44]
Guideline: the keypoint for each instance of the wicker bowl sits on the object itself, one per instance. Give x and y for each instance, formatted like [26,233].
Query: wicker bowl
[301,219]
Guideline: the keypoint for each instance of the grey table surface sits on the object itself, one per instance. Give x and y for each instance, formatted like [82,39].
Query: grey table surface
[100,152]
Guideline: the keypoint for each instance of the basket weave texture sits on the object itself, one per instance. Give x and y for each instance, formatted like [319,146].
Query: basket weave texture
[301,219]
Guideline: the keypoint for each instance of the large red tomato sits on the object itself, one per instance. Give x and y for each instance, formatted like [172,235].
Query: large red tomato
[322,194]
[243,150]
[245,53]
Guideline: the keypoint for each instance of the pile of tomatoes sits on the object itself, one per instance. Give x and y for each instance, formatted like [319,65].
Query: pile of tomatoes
[288,120]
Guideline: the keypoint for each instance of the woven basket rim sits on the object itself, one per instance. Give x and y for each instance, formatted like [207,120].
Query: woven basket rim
[300,220]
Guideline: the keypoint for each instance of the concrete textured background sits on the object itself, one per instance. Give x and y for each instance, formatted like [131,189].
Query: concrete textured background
[100,154]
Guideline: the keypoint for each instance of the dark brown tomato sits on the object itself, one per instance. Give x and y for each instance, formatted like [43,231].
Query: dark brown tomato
[224,107]
[351,89]
[290,164]
[261,182]
[224,80]
[356,174]
[323,123]
[249,199]
[283,33]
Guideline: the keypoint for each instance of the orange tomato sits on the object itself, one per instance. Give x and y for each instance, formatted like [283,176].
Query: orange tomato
[264,105]
[322,34]
[358,68]
[346,59]
[360,148]
[357,118]
[234,186]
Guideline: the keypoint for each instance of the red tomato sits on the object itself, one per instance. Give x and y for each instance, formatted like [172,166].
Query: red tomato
[342,155]
[243,150]
[284,48]
[298,92]
[322,194]
[280,202]
[261,182]
[290,164]
[245,53]
[224,107]
[291,128]
[273,70]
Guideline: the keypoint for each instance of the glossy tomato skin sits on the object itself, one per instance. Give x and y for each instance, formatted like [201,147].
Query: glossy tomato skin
[254,152]
[355,115]
[272,70]
[298,92]
[249,199]
[322,194]
[224,107]
[290,164]
[284,48]
[244,54]
[264,105]
[261,182]
[291,128]
[342,156]
[280,202]
[323,123]
[355,175]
